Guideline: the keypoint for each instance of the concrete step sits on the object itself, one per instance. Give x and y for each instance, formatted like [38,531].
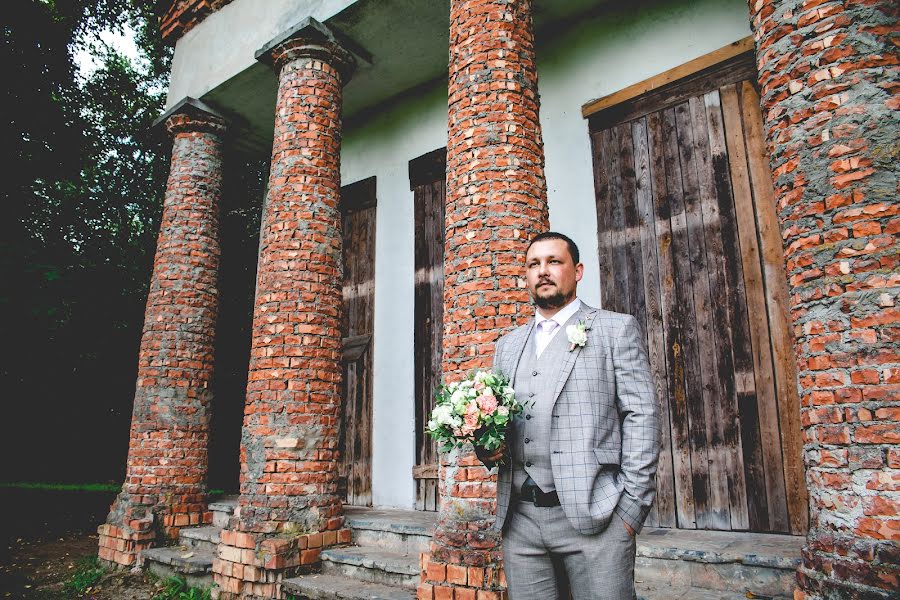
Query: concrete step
[752,564]
[372,564]
[401,531]
[329,587]
[193,565]
[222,508]
[204,539]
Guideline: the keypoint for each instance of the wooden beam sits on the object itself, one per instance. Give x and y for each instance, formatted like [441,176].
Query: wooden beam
[666,77]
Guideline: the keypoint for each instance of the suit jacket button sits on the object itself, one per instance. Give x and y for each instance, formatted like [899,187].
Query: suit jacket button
[528,464]
[528,417]
[527,440]
[534,372]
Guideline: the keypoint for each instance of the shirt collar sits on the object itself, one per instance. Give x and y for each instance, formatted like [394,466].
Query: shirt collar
[563,315]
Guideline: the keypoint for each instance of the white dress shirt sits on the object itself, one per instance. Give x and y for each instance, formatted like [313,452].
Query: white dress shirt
[547,327]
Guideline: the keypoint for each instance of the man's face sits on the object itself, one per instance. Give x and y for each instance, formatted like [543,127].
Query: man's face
[551,274]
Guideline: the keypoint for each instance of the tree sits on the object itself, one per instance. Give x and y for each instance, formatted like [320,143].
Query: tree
[81,201]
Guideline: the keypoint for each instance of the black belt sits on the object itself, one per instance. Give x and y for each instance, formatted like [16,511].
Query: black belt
[533,494]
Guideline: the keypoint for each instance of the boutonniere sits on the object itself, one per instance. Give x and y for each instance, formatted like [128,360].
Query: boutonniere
[577,335]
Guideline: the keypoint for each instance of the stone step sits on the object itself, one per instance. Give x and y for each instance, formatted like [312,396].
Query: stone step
[690,593]
[752,564]
[329,587]
[205,539]
[194,566]
[402,531]
[372,564]
[222,508]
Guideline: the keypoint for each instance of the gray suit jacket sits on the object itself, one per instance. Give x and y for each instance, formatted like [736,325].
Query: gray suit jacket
[605,431]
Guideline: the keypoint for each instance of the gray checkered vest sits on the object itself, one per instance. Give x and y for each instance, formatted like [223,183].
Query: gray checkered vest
[536,379]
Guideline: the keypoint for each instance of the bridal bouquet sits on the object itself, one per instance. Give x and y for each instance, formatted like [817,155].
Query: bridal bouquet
[475,410]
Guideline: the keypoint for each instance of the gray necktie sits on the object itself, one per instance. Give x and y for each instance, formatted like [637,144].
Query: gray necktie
[545,330]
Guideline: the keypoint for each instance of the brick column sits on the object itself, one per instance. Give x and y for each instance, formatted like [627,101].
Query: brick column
[165,480]
[289,506]
[829,87]
[496,201]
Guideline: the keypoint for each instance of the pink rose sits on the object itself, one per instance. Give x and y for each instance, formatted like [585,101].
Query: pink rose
[488,403]
[471,421]
[479,385]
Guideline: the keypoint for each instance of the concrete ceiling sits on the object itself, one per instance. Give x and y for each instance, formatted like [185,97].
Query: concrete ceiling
[402,44]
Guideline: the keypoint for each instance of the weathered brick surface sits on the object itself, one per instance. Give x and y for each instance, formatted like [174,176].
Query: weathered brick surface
[289,460]
[496,201]
[184,15]
[165,480]
[829,81]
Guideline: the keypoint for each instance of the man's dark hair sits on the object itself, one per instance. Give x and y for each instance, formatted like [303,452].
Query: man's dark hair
[552,235]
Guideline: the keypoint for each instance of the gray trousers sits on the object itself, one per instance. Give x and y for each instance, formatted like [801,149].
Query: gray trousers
[541,550]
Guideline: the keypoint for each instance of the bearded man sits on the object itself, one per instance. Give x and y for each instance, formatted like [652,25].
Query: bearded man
[578,475]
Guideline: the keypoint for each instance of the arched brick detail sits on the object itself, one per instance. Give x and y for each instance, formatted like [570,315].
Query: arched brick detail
[289,506]
[165,481]
[496,201]
[828,73]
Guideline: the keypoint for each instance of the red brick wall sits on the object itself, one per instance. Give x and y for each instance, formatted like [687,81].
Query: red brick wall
[829,79]
[289,460]
[165,481]
[496,201]
[184,15]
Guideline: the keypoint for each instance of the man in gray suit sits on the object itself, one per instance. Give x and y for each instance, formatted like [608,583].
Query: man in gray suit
[578,475]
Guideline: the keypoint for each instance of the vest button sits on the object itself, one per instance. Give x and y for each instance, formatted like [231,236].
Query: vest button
[527,440]
[531,394]
[534,372]
[528,464]
[527,417]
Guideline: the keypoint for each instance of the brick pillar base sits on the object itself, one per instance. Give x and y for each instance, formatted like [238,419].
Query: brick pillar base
[250,565]
[290,506]
[829,73]
[496,202]
[165,480]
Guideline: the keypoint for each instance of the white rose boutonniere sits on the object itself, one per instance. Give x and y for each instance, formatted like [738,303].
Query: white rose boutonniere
[577,335]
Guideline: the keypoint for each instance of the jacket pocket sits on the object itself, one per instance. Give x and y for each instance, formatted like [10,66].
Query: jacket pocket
[608,456]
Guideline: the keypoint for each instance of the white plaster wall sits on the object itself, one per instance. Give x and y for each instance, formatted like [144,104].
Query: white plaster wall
[224,45]
[601,56]
[383,148]
[598,57]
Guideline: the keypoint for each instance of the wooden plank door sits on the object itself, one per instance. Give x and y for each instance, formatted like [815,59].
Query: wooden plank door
[358,222]
[684,247]
[427,181]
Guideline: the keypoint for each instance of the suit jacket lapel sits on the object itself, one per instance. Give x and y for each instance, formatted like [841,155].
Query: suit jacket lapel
[584,314]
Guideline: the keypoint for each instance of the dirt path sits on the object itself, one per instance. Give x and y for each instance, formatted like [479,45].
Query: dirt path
[43,535]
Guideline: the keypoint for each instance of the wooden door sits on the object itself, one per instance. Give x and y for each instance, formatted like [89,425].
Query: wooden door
[689,245]
[427,181]
[358,221]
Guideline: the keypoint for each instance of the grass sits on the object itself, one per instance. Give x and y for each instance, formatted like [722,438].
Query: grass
[74,487]
[177,588]
[87,572]
[67,487]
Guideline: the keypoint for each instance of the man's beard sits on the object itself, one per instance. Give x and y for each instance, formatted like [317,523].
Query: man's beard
[555,300]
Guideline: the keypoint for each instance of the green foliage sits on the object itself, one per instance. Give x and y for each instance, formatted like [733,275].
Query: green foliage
[87,573]
[81,198]
[176,588]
